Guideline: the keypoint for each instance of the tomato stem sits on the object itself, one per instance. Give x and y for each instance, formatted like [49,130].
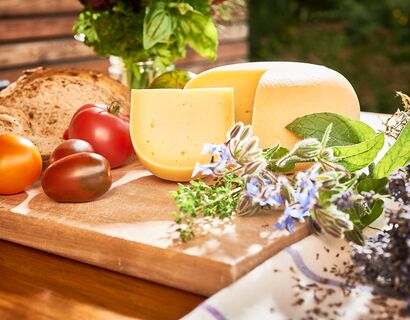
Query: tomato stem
[114,107]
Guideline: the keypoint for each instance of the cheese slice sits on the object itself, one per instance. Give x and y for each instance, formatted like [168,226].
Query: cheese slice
[170,126]
[270,95]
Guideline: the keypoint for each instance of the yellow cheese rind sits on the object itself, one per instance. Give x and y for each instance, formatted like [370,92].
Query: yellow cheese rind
[291,90]
[170,126]
[270,95]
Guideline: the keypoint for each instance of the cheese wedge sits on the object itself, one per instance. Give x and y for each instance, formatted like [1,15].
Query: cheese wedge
[170,126]
[244,78]
[270,95]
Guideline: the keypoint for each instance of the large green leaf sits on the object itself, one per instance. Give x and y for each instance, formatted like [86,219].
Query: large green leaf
[201,33]
[158,24]
[375,212]
[345,131]
[397,156]
[359,156]
[370,184]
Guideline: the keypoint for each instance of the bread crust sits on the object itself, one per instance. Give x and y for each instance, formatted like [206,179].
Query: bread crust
[48,98]
[95,77]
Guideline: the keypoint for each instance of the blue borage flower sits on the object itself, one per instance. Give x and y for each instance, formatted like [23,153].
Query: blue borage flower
[221,158]
[262,192]
[305,196]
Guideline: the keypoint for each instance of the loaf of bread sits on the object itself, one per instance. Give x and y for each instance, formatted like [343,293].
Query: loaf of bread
[41,103]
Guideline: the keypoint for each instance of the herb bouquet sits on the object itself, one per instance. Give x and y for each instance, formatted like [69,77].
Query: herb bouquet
[156,31]
[345,190]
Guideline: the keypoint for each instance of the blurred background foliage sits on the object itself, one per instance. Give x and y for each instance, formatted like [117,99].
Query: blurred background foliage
[368,41]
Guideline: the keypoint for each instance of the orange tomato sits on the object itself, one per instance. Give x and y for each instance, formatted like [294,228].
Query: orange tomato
[20,163]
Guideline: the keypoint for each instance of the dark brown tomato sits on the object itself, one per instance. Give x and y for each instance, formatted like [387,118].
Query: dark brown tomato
[79,177]
[69,147]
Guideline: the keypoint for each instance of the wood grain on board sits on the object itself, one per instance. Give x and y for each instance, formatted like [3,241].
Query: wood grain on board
[130,230]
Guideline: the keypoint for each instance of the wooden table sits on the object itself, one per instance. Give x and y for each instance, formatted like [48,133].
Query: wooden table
[37,285]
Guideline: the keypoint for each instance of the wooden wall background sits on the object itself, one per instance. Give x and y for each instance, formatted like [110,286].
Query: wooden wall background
[38,33]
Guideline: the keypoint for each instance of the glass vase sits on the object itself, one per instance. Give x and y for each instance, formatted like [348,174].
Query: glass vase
[138,75]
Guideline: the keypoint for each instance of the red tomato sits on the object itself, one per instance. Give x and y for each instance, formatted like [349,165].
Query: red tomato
[106,130]
[70,147]
[79,177]
[20,164]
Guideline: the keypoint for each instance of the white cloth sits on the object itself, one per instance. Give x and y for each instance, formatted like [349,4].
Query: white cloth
[271,290]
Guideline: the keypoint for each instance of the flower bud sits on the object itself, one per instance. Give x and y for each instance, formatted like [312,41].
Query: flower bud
[245,148]
[287,193]
[308,149]
[246,132]
[253,167]
[333,221]
[246,207]
[234,132]
[327,154]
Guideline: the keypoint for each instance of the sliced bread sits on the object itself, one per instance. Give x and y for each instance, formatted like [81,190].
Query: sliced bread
[48,98]
[13,121]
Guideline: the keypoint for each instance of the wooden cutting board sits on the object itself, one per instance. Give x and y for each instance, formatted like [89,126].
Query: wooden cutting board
[130,230]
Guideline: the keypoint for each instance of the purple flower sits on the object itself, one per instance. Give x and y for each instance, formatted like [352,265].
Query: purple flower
[305,200]
[221,158]
[344,201]
[263,192]
[272,196]
[253,189]
[399,184]
[286,222]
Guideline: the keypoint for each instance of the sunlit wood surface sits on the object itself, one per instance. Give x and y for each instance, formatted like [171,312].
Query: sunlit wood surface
[37,285]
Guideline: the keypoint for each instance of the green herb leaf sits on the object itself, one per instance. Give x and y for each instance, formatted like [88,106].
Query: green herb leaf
[198,199]
[182,7]
[158,24]
[201,33]
[345,131]
[397,156]
[370,184]
[273,155]
[355,236]
[375,212]
[359,156]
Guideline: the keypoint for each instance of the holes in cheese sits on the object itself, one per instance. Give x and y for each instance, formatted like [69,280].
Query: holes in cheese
[270,95]
[170,126]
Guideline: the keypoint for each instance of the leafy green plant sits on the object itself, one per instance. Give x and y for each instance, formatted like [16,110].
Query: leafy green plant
[153,29]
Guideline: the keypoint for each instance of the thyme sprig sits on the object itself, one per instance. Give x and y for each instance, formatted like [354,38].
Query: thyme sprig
[199,199]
